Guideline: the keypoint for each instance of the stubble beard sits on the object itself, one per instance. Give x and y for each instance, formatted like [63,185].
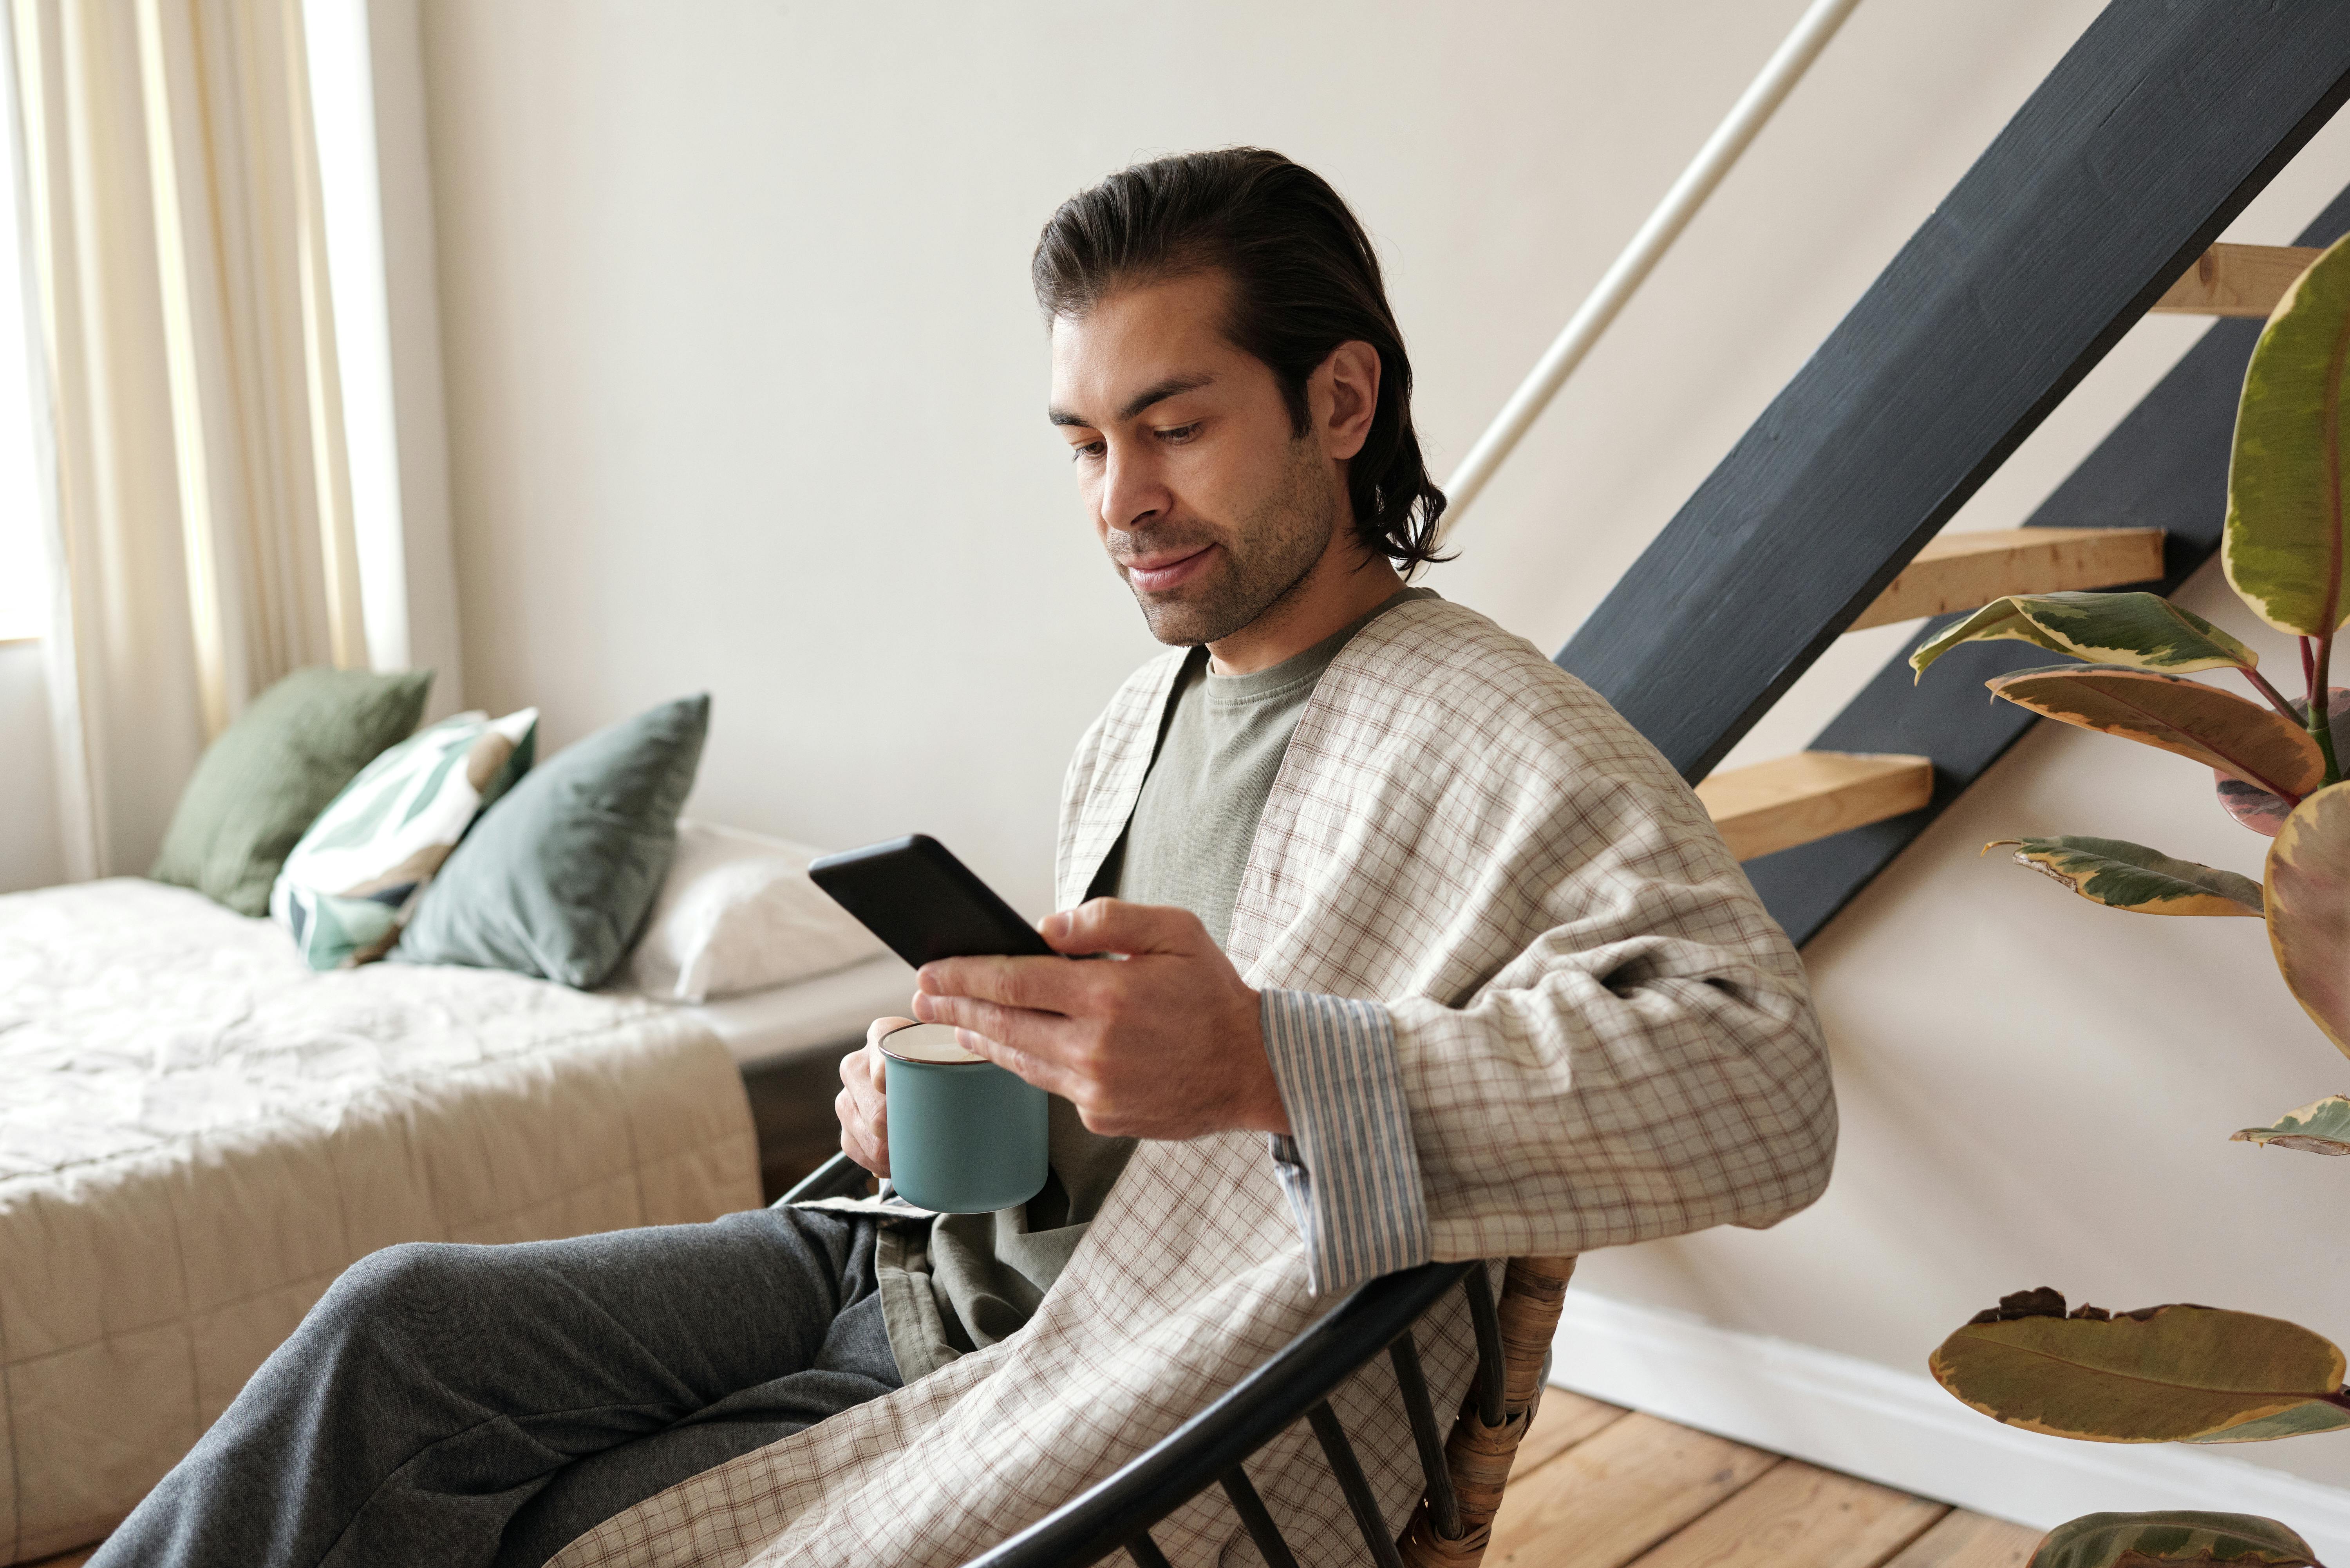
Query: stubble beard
[1265,557]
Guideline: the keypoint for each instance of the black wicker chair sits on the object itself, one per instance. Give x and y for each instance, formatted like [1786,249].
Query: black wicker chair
[1465,1473]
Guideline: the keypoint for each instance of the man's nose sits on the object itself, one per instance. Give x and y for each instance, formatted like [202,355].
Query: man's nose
[1133,492]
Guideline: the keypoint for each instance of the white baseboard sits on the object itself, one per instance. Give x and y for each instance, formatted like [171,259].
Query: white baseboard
[1901,1430]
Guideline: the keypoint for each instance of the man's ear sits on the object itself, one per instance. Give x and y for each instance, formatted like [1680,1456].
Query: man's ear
[1344,393]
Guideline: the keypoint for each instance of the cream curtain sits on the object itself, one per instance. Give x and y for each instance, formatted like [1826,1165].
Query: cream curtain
[200,502]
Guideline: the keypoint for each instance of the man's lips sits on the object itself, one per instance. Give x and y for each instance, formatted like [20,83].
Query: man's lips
[1167,571]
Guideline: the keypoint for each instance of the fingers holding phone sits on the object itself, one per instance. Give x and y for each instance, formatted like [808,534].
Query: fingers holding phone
[861,1105]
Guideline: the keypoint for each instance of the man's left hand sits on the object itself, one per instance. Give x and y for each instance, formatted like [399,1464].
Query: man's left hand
[1166,1044]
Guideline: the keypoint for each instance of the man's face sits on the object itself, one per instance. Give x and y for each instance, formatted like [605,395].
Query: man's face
[1211,505]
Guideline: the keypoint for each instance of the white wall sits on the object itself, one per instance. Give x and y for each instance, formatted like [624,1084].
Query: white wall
[30,853]
[745,392]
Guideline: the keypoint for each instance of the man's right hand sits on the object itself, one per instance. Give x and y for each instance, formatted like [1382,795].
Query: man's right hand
[864,1116]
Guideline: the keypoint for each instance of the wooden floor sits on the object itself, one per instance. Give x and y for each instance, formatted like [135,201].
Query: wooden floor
[1596,1487]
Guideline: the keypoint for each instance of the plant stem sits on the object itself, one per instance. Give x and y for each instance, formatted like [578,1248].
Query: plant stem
[2276,699]
[2329,615]
[2321,723]
[2308,665]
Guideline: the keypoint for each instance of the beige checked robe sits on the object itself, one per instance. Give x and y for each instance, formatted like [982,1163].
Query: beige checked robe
[1601,1038]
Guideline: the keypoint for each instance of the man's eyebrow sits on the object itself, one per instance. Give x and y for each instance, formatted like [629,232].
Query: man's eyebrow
[1172,386]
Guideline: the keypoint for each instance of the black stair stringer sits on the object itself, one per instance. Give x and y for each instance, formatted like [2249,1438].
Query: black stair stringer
[2164,466]
[2156,128]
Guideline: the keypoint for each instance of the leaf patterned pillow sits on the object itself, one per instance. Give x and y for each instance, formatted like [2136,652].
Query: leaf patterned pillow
[348,885]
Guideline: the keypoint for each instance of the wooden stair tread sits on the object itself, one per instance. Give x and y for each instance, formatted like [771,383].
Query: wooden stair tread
[1968,571]
[1799,1516]
[1613,1496]
[1966,1539]
[1793,800]
[2237,280]
[1564,1420]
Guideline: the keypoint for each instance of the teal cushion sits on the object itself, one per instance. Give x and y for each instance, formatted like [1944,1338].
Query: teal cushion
[258,788]
[556,879]
[350,882]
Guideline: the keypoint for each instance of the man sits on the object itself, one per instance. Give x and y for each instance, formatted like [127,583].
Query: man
[1425,955]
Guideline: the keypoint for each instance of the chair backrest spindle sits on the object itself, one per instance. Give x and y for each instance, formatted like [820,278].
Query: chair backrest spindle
[1454,1520]
[1443,1503]
[1493,1383]
[1479,1452]
[1257,1519]
[1340,1455]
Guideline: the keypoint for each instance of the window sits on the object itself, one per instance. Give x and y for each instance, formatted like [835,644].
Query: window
[25,583]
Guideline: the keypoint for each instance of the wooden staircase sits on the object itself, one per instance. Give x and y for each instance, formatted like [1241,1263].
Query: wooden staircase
[2104,197]
[2237,280]
[1968,571]
[1798,799]
[1791,801]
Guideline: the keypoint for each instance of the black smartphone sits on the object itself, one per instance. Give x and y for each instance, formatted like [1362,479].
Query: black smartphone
[924,903]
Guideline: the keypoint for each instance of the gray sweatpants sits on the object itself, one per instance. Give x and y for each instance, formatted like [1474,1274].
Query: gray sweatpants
[461,1404]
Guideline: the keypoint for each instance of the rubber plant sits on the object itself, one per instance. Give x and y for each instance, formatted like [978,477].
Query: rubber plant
[2183,1373]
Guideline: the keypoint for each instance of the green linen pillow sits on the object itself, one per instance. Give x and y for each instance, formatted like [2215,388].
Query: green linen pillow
[355,875]
[557,878]
[264,780]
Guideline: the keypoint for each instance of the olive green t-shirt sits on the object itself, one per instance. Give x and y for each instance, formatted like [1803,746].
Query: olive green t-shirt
[969,1279]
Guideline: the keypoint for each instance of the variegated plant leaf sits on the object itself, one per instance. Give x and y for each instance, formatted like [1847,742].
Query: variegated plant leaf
[2320,1127]
[2162,1375]
[2256,808]
[2301,1421]
[2284,545]
[2138,631]
[2125,876]
[2219,729]
[2308,889]
[2186,1537]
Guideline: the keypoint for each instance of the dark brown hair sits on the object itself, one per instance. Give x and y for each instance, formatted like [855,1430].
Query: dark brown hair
[1305,280]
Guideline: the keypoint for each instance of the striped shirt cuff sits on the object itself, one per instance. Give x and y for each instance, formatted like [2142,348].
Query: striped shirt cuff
[1349,1168]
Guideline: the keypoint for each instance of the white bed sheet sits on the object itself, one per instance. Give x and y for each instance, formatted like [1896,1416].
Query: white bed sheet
[818,1014]
[197,1134]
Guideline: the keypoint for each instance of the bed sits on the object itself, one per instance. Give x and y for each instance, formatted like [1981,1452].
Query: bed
[198,1133]
[818,1017]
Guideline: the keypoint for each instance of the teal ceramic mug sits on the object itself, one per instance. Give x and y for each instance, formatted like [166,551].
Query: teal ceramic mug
[966,1136]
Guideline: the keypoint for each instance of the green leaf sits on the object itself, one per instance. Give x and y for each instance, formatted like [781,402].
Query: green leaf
[2182,1536]
[2138,631]
[2162,1375]
[2125,876]
[2308,889]
[2320,1127]
[2219,729]
[2284,545]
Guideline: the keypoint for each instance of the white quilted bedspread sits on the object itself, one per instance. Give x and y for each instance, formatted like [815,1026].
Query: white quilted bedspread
[197,1134]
